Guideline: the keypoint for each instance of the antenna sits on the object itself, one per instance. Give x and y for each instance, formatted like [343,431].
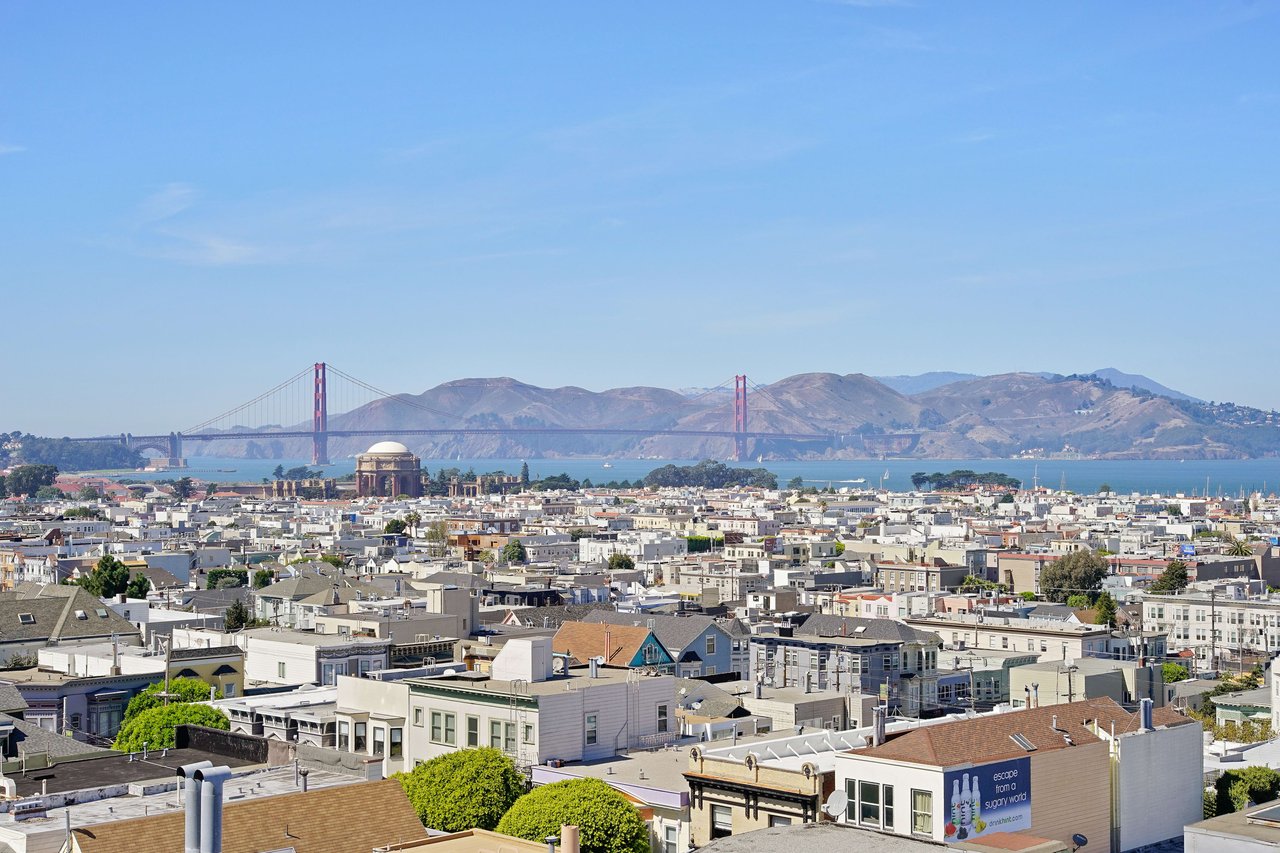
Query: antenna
[836,804]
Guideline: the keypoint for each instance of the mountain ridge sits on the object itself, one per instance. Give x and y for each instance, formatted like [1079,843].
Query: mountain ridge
[1012,414]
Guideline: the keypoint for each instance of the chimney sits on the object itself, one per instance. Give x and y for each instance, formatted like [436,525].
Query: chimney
[877,726]
[1026,689]
[211,781]
[608,644]
[569,839]
[1035,694]
[1146,706]
[191,843]
[759,689]
[1054,724]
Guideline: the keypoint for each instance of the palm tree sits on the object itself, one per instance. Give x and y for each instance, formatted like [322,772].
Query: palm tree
[1238,547]
[412,519]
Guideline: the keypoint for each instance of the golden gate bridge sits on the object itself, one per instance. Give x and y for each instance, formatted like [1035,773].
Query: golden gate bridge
[310,389]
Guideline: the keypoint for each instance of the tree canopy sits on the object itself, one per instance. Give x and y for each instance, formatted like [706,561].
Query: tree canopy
[187,689]
[1172,579]
[109,577]
[606,820]
[28,480]
[621,563]
[1235,789]
[514,552]
[710,474]
[1078,572]
[395,526]
[464,789]
[962,478]
[155,726]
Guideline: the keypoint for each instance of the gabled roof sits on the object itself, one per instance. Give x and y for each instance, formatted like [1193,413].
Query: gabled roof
[879,630]
[552,616]
[325,820]
[617,644]
[61,612]
[675,632]
[991,738]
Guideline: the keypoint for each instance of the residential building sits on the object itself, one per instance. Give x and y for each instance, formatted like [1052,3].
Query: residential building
[278,656]
[699,645]
[1122,780]
[632,646]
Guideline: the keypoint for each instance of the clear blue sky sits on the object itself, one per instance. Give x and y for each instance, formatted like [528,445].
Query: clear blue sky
[198,200]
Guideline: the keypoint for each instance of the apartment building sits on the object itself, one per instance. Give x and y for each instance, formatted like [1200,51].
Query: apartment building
[937,576]
[1244,626]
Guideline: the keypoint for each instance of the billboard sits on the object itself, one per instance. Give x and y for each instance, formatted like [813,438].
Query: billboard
[1187,550]
[987,798]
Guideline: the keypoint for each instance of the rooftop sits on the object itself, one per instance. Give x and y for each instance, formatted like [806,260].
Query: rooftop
[115,768]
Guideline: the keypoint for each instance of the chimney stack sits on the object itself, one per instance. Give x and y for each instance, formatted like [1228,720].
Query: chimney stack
[569,839]
[1035,694]
[191,841]
[211,781]
[1146,706]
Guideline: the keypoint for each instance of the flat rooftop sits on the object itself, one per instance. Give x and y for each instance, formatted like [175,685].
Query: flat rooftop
[246,783]
[115,769]
[578,679]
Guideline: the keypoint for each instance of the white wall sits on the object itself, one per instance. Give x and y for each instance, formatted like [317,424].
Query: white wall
[1161,783]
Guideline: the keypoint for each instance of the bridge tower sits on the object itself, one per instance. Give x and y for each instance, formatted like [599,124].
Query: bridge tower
[320,417]
[740,417]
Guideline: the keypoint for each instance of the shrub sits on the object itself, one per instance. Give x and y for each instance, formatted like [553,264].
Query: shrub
[464,789]
[606,820]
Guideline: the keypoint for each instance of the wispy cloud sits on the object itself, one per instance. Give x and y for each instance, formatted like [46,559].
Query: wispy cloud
[974,137]
[167,202]
[11,149]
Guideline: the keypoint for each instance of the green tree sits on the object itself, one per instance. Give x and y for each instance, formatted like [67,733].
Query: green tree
[155,727]
[1172,579]
[262,578]
[221,578]
[1235,789]
[187,690]
[795,484]
[1174,672]
[138,587]
[109,577]
[621,563]
[1078,602]
[237,616]
[514,552]
[278,473]
[412,519]
[1106,606]
[839,548]
[524,475]
[464,789]
[395,526]
[1105,488]
[334,560]
[1027,595]
[26,480]
[485,556]
[606,820]
[1078,572]
[1238,548]
[88,493]
[49,493]
[183,488]
[1173,509]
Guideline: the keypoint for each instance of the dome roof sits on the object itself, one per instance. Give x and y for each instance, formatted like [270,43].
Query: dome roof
[387,448]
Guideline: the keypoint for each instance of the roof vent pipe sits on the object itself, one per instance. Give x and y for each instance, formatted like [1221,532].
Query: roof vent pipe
[211,781]
[191,837]
[1148,722]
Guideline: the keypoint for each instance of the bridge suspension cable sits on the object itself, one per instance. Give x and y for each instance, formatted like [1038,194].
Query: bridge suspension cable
[760,389]
[399,398]
[243,406]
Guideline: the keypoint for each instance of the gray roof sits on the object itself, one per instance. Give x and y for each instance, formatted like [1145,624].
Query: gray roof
[11,700]
[34,613]
[549,617]
[879,630]
[674,632]
[1258,698]
[32,739]
[819,838]
[200,652]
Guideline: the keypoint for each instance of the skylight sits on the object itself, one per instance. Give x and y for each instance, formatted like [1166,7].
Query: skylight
[27,618]
[1022,741]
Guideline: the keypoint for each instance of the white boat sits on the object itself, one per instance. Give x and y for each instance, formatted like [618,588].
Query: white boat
[607,465]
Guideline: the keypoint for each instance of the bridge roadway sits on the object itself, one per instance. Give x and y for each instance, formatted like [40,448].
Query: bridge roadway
[346,433]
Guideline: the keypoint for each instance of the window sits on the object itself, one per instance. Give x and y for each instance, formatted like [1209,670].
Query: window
[379,740]
[778,820]
[671,839]
[591,727]
[473,731]
[527,736]
[360,742]
[662,719]
[444,728]
[922,812]
[279,669]
[344,735]
[417,716]
[711,645]
[509,737]
[869,803]
[397,743]
[1004,642]
[495,734]
[721,822]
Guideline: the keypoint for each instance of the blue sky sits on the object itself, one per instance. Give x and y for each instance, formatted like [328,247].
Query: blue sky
[201,199]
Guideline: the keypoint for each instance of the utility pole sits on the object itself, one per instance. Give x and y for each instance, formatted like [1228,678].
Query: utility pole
[1213,628]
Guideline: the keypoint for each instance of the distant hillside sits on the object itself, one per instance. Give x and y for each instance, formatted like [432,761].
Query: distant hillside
[1137,380]
[970,418]
[922,382]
